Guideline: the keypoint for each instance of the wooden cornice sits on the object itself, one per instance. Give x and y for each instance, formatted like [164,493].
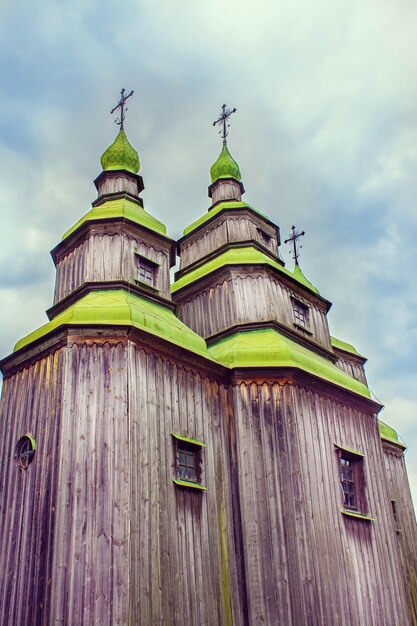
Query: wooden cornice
[112,226]
[137,289]
[247,243]
[242,211]
[225,271]
[294,376]
[281,328]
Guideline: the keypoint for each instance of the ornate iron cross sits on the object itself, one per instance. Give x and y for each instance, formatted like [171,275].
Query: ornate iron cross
[222,120]
[121,105]
[295,236]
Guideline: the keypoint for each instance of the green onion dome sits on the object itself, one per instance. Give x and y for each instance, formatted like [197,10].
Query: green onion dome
[225,166]
[121,155]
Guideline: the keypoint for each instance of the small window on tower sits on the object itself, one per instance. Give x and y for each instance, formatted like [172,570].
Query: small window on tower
[24,451]
[188,462]
[352,478]
[349,484]
[301,313]
[147,271]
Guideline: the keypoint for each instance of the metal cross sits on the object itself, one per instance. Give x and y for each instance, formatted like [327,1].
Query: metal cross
[121,106]
[222,120]
[295,236]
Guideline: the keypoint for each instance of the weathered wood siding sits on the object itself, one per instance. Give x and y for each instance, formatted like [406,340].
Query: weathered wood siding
[227,228]
[226,190]
[95,531]
[109,256]
[352,367]
[183,560]
[31,403]
[403,519]
[307,563]
[90,582]
[247,296]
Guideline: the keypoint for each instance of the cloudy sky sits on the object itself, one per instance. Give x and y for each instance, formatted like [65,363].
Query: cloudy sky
[325,135]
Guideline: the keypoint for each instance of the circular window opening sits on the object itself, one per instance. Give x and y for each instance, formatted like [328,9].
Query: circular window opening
[24,451]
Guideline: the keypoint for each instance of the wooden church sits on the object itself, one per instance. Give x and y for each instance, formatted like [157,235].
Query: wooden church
[201,452]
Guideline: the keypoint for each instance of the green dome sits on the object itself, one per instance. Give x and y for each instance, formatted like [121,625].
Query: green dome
[121,155]
[225,166]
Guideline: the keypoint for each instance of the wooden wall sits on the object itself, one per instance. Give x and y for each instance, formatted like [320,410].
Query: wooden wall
[183,563]
[95,530]
[234,226]
[245,296]
[110,256]
[307,563]
[352,367]
[31,403]
[403,519]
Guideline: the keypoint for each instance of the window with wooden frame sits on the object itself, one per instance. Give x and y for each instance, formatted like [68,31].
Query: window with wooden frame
[188,461]
[147,271]
[352,478]
[300,313]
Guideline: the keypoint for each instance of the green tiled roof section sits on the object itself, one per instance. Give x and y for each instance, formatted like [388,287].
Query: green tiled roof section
[236,256]
[298,275]
[121,207]
[121,155]
[269,348]
[389,434]
[228,204]
[347,347]
[225,166]
[121,308]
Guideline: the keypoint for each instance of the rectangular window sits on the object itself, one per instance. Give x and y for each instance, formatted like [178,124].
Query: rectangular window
[300,312]
[348,483]
[352,478]
[188,462]
[147,271]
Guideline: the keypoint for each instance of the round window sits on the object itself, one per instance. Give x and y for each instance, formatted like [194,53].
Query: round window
[24,451]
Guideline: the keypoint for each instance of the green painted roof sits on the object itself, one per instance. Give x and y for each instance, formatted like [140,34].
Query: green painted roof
[347,347]
[236,256]
[121,155]
[225,166]
[122,308]
[298,275]
[269,348]
[228,204]
[389,433]
[120,207]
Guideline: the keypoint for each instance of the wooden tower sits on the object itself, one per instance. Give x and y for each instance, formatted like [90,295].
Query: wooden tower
[203,453]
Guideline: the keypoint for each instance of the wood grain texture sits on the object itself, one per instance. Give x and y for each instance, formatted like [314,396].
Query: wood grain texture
[183,547]
[230,227]
[246,296]
[110,256]
[403,519]
[352,367]
[306,563]
[31,403]
[225,190]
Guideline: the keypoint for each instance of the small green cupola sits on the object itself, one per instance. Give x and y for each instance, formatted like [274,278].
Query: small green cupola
[121,155]
[225,166]
[225,172]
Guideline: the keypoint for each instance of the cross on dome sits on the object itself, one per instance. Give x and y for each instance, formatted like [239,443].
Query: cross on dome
[121,106]
[294,237]
[222,120]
